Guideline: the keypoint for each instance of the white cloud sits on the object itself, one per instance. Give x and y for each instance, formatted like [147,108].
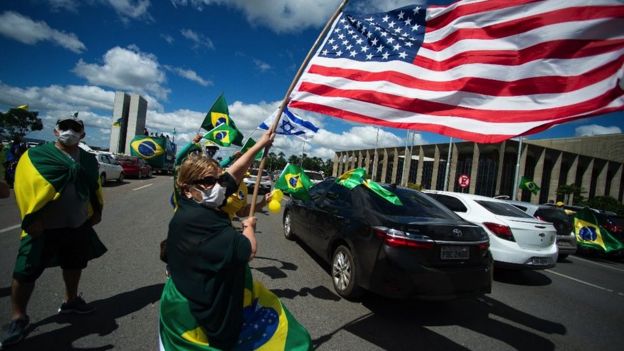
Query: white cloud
[23,29]
[128,70]
[261,65]
[168,38]
[58,98]
[130,9]
[190,75]
[198,39]
[594,129]
[69,5]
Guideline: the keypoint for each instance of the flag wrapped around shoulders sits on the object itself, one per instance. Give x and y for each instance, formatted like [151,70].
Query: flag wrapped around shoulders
[357,176]
[290,124]
[294,181]
[267,324]
[589,234]
[483,71]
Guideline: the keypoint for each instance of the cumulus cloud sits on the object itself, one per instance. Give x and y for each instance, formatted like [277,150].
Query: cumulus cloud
[23,29]
[190,75]
[199,40]
[168,38]
[126,69]
[594,129]
[133,9]
[58,98]
[261,65]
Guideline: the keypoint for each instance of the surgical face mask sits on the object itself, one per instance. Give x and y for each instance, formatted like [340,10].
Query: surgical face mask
[213,197]
[69,137]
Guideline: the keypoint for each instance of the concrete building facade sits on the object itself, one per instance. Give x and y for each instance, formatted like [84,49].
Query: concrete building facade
[129,114]
[594,163]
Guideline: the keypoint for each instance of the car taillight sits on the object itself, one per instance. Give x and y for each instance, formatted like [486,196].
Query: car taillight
[398,238]
[613,228]
[501,231]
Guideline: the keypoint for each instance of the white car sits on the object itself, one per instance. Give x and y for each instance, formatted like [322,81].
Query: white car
[109,168]
[517,240]
[266,183]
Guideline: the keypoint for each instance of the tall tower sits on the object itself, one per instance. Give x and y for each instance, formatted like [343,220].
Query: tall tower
[129,113]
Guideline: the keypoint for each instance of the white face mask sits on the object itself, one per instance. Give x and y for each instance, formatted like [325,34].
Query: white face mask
[69,137]
[213,197]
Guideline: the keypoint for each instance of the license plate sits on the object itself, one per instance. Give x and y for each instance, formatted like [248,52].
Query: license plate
[454,252]
[541,261]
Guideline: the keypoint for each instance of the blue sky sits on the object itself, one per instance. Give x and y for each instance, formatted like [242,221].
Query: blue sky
[62,56]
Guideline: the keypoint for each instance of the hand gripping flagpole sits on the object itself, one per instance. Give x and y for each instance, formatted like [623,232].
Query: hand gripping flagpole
[252,209]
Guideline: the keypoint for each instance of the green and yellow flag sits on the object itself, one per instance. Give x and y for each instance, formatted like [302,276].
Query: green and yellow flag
[248,144]
[146,147]
[217,115]
[528,184]
[590,234]
[294,181]
[23,107]
[357,176]
[225,135]
[118,122]
[267,324]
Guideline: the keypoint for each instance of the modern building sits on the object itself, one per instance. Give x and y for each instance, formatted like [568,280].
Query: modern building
[594,163]
[129,114]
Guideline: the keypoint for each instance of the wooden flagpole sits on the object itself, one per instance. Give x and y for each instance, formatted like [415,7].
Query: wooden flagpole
[307,59]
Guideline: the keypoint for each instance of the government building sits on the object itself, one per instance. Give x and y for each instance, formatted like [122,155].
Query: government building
[594,163]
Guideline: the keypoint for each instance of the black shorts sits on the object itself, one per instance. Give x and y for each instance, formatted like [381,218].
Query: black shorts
[64,247]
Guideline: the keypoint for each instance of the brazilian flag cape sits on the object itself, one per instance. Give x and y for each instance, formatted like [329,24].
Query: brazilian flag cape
[591,235]
[267,324]
[41,176]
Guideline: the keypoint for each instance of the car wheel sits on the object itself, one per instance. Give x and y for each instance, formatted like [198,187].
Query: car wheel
[288,232]
[121,178]
[562,257]
[140,175]
[149,173]
[103,179]
[344,274]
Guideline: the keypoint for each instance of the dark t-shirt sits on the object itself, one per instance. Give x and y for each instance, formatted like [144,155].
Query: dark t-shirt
[207,259]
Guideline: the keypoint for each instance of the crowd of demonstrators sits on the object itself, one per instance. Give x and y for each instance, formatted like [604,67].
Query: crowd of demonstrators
[11,157]
[59,197]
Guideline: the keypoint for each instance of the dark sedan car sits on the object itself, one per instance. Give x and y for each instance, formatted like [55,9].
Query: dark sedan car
[420,249]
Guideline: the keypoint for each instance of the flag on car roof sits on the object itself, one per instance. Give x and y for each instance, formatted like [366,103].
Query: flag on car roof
[290,124]
[294,181]
[483,71]
[590,234]
[357,176]
[225,135]
[528,184]
[217,115]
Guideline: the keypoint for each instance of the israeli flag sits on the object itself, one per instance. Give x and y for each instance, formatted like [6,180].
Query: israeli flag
[290,124]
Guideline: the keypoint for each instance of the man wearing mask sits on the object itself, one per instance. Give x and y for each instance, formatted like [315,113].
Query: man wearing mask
[59,196]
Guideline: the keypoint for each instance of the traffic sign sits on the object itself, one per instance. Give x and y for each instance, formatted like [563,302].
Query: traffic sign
[463,180]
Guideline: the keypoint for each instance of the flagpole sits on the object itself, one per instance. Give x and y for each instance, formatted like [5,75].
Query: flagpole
[304,64]
[515,186]
[448,161]
[375,157]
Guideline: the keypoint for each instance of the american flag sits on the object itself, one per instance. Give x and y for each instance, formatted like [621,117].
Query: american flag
[483,71]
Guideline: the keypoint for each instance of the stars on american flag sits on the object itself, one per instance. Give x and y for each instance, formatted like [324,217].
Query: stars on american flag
[395,35]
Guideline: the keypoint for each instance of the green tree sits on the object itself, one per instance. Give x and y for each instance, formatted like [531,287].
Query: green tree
[18,122]
[606,203]
[571,189]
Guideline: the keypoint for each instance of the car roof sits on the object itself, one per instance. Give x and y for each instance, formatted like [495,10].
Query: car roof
[465,196]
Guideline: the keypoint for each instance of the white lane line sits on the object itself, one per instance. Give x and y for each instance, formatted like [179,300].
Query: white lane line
[143,187]
[584,282]
[596,263]
[8,229]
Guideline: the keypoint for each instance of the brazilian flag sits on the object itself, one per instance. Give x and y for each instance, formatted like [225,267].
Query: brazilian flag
[529,185]
[217,115]
[590,234]
[267,324]
[357,176]
[118,122]
[294,181]
[146,147]
[225,135]
[248,144]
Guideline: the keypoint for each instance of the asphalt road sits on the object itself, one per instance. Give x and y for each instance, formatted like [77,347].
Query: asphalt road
[578,305]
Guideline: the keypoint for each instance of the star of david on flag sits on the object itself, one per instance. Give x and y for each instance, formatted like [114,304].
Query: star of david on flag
[290,124]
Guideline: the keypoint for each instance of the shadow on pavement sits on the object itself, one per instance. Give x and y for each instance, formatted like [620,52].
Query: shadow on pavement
[101,322]
[521,277]
[320,292]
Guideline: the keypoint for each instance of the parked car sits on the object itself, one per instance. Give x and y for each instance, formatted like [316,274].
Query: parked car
[517,240]
[109,168]
[419,249]
[563,223]
[266,183]
[135,167]
[315,177]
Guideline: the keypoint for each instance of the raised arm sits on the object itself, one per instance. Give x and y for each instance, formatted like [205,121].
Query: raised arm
[238,169]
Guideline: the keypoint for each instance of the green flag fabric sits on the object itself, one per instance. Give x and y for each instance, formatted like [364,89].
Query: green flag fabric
[528,184]
[267,325]
[248,144]
[225,135]
[357,176]
[591,235]
[294,181]
[217,115]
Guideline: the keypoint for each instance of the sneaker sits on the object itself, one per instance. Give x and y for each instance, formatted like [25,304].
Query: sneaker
[14,332]
[76,305]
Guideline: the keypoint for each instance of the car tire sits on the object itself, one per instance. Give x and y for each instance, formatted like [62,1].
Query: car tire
[562,257]
[344,273]
[140,175]
[103,179]
[121,178]
[149,173]
[288,232]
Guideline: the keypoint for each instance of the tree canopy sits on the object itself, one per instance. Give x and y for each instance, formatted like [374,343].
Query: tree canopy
[18,122]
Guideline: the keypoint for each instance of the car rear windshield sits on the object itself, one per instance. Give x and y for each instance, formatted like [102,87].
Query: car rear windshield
[502,209]
[552,215]
[314,175]
[415,204]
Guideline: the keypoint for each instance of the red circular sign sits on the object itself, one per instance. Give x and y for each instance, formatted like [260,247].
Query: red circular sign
[463,180]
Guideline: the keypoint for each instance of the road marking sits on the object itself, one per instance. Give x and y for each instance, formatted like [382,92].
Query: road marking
[596,263]
[584,282]
[7,229]
[143,187]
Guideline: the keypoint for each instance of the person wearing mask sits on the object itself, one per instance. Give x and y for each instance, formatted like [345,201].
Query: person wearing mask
[59,196]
